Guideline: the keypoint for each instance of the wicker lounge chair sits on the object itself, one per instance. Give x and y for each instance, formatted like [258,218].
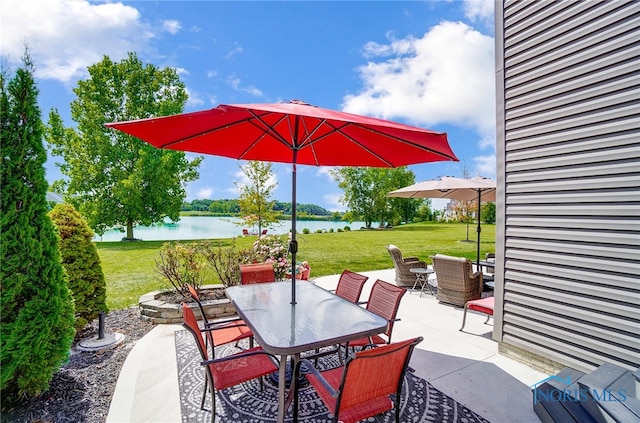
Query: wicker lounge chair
[457,283]
[490,257]
[402,264]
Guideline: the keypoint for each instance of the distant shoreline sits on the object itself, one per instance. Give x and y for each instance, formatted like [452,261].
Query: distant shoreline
[207,226]
[282,217]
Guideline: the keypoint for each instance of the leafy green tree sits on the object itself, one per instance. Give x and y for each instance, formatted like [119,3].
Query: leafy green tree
[488,211]
[424,212]
[224,207]
[365,191]
[256,206]
[308,209]
[36,307]
[82,264]
[400,209]
[115,179]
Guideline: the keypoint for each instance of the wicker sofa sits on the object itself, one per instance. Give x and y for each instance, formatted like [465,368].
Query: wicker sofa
[402,264]
[457,283]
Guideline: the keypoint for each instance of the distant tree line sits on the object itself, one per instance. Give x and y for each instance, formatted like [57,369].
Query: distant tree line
[232,207]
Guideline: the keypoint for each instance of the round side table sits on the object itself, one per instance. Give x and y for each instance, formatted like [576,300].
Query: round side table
[422,278]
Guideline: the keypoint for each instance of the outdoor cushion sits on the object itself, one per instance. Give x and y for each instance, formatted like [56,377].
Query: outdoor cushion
[484,305]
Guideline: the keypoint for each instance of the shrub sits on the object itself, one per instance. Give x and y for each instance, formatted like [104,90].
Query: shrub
[347,228]
[330,230]
[37,308]
[82,264]
[182,264]
[318,231]
[226,262]
[306,231]
[340,230]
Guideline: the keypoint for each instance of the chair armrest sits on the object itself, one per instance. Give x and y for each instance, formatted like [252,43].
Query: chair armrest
[416,263]
[406,259]
[218,326]
[318,374]
[238,355]
[214,325]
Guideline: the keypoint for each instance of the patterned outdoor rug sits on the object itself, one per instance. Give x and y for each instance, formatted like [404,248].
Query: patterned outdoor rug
[247,403]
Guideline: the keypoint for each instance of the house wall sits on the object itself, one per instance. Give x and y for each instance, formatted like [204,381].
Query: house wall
[568,198]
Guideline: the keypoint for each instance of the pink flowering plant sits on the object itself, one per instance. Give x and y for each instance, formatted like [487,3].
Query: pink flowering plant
[274,249]
[301,267]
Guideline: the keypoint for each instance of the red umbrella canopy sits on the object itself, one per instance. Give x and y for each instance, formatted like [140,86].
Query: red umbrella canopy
[296,133]
[293,132]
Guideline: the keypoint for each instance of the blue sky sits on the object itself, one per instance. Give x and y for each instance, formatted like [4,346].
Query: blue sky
[425,63]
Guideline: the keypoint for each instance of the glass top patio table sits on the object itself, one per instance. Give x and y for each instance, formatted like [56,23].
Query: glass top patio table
[318,319]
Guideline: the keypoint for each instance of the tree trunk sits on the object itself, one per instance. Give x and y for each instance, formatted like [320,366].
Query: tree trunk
[129,230]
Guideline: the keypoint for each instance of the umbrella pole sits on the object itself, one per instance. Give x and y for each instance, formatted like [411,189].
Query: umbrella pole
[293,244]
[478,230]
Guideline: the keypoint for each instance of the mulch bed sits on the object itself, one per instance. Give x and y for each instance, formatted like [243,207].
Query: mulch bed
[82,390]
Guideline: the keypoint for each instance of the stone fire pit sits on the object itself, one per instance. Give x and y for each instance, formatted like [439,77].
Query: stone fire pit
[157,311]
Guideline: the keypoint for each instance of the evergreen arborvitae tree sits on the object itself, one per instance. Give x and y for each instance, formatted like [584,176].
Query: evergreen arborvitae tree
[82,263]
[36,307]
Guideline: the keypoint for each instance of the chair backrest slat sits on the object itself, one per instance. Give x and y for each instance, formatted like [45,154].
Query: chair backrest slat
[350,285]
[385,301]
[256,273]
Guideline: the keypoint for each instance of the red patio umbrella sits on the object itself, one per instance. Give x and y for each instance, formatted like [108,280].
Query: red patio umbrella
[296,133]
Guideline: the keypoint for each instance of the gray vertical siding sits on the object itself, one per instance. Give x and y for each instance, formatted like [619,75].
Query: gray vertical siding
[568,134]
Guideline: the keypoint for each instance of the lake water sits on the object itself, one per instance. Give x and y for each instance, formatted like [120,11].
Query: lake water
[207,227]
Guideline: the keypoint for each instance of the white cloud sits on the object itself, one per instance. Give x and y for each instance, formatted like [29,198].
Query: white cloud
[333,202]
[171,26]
[66,36]
[444,77]
[237,49]
[326,171]
[195,99]
[212,74]
[205,193]
[195,192]
[235,83]
[240,179]
[486,165]
[182,71]
[479,10]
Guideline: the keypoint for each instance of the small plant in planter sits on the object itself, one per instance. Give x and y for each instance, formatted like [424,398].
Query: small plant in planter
[182,264]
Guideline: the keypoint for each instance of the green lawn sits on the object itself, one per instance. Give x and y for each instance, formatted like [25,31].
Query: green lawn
[129,268]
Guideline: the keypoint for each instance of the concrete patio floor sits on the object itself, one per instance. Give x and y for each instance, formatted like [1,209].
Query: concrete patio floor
[464,365]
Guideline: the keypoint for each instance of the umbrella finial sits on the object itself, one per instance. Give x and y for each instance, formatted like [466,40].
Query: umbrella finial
[301,102]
